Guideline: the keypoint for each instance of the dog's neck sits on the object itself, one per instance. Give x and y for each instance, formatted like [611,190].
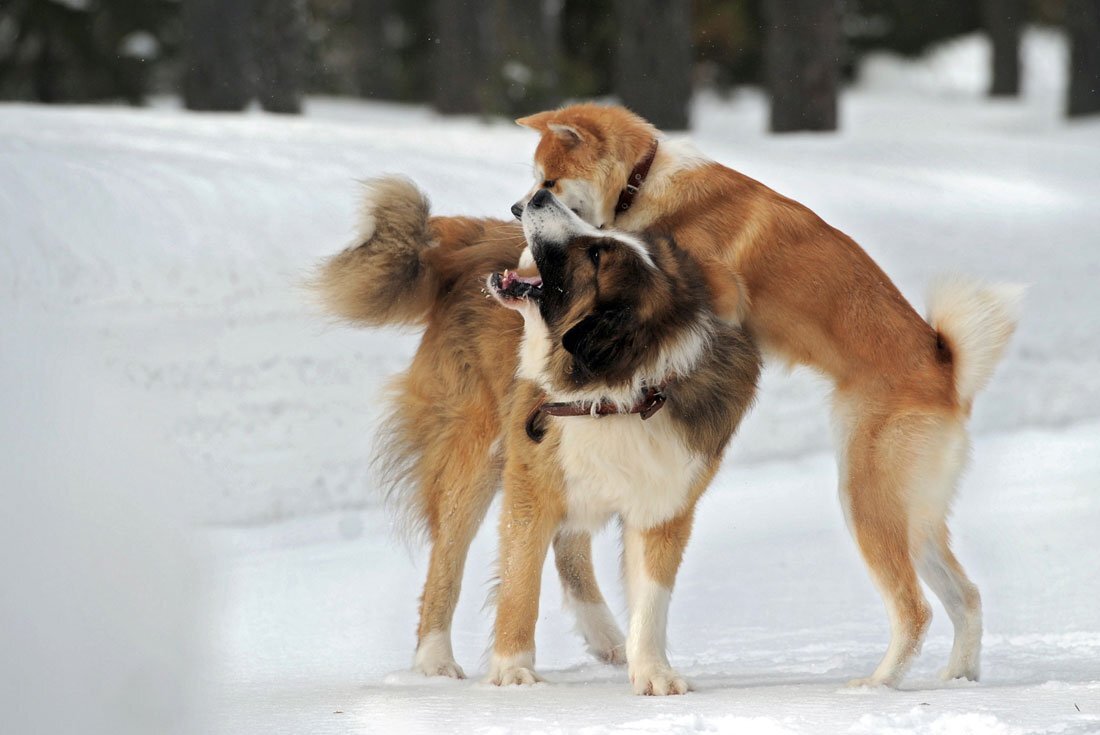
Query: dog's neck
[678,360]
[649,403]
[636,180]
[673,158]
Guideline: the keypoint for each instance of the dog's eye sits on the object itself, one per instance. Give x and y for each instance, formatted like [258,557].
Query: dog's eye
[594,255]
[549,183]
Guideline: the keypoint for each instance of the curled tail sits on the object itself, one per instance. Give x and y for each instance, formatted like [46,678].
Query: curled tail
[975,320]
[383,278]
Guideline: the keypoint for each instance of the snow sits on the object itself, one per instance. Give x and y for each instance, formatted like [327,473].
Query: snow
[166,367]
[772,614]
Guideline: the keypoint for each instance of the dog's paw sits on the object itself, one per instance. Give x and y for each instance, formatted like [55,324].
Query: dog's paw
[434,657]
[440,668]
[514,675]
[614,655]
[518,669]
[868,682]
[601,633]
[951,673]
[607,644]
[658,681]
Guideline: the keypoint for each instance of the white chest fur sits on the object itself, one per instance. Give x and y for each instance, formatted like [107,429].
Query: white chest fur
[620,464]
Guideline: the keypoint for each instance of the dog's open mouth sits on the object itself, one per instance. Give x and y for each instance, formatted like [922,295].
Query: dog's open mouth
[510,286]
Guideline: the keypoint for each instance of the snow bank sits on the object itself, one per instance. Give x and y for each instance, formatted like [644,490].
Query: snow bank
[99,614]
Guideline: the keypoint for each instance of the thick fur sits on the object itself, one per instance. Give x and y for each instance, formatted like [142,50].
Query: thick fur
[809,295]
[976,320]
[459,414]
[393,234]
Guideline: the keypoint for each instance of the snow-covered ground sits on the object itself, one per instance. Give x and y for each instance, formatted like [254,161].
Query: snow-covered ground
[772,614]
[161,363]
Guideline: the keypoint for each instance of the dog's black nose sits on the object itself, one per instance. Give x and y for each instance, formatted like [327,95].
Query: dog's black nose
[542,196]
[517,210]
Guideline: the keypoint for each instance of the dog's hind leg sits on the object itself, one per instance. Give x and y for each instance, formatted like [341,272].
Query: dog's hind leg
[530,516]
[942,572]
[573,557]
[943,462]
[940,457]
[459,495]
[875,464]
[450,544]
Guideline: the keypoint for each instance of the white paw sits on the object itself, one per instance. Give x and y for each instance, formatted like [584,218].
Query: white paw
[868,682]
[434,657]
[606,643]
[515,675]
[516,669]
[658,681]
[440,668]
[614,655]
[601,633]
[959,672]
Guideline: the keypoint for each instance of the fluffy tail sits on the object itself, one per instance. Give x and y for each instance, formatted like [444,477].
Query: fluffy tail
[975,320]
[383,279]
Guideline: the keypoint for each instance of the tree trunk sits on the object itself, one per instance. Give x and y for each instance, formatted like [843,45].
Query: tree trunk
[281,46]
[524,46]
[802,55]
[458,83]
[1004,20]
[216,53]
[47,71]
[653,61]
[1083,24]
[378,69]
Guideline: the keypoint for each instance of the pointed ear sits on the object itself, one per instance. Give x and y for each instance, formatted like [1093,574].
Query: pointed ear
[569,134]
[602,344]
[537,122]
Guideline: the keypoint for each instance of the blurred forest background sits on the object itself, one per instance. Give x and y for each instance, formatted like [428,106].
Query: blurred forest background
[506,57]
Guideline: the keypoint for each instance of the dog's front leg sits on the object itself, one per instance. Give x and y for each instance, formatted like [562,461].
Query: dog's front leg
[529,518]
[652,558]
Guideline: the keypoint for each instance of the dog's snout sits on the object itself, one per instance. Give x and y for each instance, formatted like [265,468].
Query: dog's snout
[517,210]
[541,198]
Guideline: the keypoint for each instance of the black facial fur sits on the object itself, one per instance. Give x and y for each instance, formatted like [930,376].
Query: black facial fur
[610,343]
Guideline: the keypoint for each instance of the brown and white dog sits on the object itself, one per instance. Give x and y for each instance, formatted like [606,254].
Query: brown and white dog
[811,296]
[608,388]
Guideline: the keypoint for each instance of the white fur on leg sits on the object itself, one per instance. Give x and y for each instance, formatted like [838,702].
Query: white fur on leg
[517,669]
[899,655]
[600,631]
[650,672]
[434,656]
[954,593]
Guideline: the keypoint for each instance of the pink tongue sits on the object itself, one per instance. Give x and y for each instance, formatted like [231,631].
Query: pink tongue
[511,277]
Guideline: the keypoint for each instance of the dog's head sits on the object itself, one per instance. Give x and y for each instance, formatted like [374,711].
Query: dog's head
[585,156]
[606,312]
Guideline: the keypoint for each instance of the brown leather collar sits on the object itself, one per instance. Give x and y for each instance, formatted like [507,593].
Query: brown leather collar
[652,400]
[635,180]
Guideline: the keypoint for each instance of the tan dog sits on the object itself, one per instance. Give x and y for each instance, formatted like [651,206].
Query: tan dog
[611,393]
[809,295]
